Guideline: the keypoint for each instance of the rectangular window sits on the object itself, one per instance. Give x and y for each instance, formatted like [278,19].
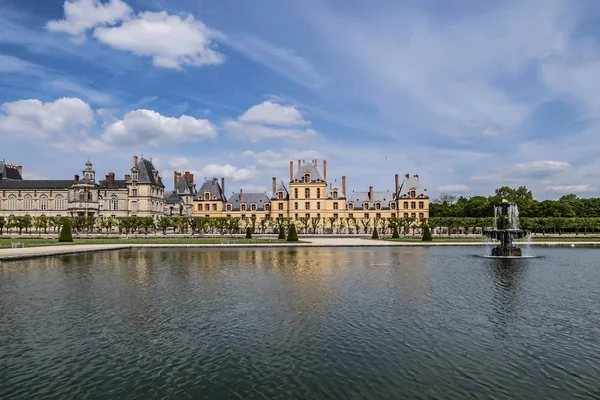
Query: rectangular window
[335,216]
[229,215]
[405,204]
[335,205]
[243,216]
[295,193]
[318,205]
[280,206]
[280,215]
[318,193]
[307,215]
[405,215]
[378,215]
[413,215]
[421,215]
[421,205]
[134,192]
[307,193]
[214,206]
[295,205]
[366,215]
[413,205]
[318,215]
[134,206]
[393,215]
[307,205]
[199,207]
[351,216]
[207,215]
[296,215]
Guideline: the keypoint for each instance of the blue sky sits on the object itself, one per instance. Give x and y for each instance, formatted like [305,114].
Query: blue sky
[470,95]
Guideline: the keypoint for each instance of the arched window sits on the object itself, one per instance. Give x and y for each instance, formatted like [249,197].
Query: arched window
[306,177]
[43,203]
[28,203]
[253,207]
[113,203]
[350,206]
[12,202]
[366,205]
[243,207]
[378,205]
[59,202]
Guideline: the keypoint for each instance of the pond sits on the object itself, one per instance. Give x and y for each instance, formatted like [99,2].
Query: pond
[304,323]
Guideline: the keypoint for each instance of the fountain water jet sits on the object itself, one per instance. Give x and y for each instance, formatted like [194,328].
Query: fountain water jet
[506,229]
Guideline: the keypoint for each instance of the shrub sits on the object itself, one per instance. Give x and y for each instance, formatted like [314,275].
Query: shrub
[281,233]
[292,234]
[375,235]
[395,234]
[427,234]
[248,233]
[65,232]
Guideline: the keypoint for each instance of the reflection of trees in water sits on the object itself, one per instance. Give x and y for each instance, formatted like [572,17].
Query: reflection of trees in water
[507,277]
[409,275]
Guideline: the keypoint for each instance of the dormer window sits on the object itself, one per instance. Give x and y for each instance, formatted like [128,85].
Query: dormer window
[134,176]
[242,207]
[393,205]
[335,194]
[378,205]
[350,206]
[306,177]
[206,196]
[228,207]
[413,194]
[280,195]
[366,205]
[267,207]
[253,207]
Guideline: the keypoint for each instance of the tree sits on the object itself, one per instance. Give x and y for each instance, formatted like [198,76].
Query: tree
[426,234]
[395,234]
[314,221]
[292,234]
[568,197]
[65,232]
[366,223]
[248,233]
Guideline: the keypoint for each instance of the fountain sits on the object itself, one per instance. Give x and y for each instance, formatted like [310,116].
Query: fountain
[506,229]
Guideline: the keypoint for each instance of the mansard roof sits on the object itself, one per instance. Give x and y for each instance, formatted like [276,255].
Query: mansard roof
[358,198]
[145,175]
[9,172]
[310,168]
[184,187]
[411,183]
[172,198]
[260,199]
[213,187]
[335,186]
[35,184]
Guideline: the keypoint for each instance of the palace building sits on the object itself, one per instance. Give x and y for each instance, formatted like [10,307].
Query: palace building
[307,194]
[140,193]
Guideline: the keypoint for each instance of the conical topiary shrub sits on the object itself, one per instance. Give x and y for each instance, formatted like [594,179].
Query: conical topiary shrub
[427,234]
[281,233]
[248,233]
[395,234]
[65,232]
[292,234]
[375,235]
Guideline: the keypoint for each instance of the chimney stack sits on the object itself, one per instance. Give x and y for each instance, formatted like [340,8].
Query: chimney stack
[240,196]
[397,185]
[299,165]
[187,177]
[191,182]
[223,186]
[134,161]
[344,185]
[76,178]
[20,169]
[274,185]
[127,177]
[214,181]
[175,180]
[325,170]
[370,193]
[111,179]
[291,171]
[315,163]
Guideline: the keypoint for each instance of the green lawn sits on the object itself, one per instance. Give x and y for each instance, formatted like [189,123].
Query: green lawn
[6,243]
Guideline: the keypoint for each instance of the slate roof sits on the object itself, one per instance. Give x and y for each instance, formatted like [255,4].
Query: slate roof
[248,198]
[145,174]
[173,198]
[213,187]
[183,187]
[408,184]
[338,187]
[7,172]
[308,167]
[35,184]
[119,184]
[286,192]
[358,198]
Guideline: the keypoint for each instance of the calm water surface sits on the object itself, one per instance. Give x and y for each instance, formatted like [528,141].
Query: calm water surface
[352,323]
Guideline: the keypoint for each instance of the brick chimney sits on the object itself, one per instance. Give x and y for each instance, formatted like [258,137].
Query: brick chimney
[223,186]
[175,180]
[214,181]
[134,161]
[127,177]
[291,171]
[240,196]
[76,178]
[315,163]
[111,179]
[370,193]
[191,181]
[299,165]
[325,170]
[20,170]
[344,185]
[397,184]
[187,177]
[274,184]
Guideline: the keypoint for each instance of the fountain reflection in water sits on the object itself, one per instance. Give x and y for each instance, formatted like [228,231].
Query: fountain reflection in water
[506,230]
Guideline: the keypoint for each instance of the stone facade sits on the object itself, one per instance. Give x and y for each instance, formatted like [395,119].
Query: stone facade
[308,194]
[140,193]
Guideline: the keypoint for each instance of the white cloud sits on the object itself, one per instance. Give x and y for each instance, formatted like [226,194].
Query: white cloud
[542,168]
[32,118]
[82,15]
[454,188]
[229,171]
[269,120]
[154,129]
[273,114]
[92,95]
[12,64]
[571,188]
[171,41]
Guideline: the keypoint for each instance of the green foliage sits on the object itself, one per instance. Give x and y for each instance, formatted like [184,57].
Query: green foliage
[65,232]
[395,234]
[292,234]
[281,233]
[427,234]
[248,233]
[375,235]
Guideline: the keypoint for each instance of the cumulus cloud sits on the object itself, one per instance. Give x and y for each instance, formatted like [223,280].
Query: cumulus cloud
[148,126]
[29,119]
[269,120]
[572,188]
[172,41]
[229,171]
[454,188]
[82,15]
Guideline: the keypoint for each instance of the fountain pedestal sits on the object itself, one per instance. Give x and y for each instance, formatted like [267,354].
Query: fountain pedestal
[506,229]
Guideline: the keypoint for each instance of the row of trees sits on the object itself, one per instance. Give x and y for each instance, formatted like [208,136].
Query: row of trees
[568,206]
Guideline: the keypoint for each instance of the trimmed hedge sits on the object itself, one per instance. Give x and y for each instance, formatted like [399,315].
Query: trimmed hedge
[375,234]
[65,232]
[281,233]
[292,234]
[427,234]
[248,233]
[395,234]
